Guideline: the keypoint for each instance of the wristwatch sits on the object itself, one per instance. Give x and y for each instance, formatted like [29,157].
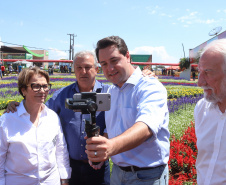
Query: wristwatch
[64,181]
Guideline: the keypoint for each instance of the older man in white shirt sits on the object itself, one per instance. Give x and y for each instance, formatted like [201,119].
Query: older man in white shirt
[210,115]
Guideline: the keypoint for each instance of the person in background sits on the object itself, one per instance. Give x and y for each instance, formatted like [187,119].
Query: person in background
[66,69]
[3,70]
[19,68]
[29,152]
[137,123]
[70,68]
[49,70]
[10,68]
[210,115]
[52,69]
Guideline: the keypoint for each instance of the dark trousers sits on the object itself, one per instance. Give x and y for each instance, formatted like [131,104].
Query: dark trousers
[84,174]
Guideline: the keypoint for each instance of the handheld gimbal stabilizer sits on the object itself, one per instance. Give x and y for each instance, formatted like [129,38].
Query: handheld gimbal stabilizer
[89,103]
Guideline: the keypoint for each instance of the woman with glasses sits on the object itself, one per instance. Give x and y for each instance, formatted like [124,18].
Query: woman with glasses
[32,146]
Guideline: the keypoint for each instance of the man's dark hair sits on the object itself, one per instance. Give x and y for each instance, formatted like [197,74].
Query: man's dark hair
[109,41]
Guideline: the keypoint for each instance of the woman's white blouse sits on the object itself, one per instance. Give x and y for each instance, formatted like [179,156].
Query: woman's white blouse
[32,155]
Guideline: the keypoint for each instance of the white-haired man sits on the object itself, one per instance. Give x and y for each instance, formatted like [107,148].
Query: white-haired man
[210,116]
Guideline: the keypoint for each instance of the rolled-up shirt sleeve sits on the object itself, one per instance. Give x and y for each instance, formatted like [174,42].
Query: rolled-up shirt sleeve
[152,107]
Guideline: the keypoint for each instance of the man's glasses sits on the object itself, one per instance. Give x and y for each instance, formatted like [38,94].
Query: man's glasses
[37,87]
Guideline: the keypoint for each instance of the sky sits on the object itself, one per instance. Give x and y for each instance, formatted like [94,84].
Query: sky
[166,29]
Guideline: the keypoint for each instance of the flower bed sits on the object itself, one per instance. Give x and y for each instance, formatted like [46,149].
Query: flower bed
[183,153]
[182,102]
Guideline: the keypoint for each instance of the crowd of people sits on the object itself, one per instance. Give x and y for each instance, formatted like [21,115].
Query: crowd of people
[133,133]
[9,69]
[65,68]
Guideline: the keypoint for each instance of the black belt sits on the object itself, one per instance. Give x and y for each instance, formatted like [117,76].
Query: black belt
[135,168]
[78,161]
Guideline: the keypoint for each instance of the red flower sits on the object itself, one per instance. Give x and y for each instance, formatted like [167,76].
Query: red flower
[183,153]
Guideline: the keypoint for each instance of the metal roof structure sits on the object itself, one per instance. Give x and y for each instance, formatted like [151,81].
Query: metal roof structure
[6,49]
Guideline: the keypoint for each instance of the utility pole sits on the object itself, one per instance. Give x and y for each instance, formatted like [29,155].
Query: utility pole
[183,49]
[71,50]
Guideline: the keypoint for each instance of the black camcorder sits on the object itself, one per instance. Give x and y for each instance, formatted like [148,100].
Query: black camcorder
[89,103]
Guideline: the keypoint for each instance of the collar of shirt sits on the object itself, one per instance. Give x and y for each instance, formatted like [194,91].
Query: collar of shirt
[214,106]
[133,79]
[211,105]
[97,86]
[21,109]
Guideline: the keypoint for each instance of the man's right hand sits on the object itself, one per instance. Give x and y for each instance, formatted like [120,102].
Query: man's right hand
[12,107]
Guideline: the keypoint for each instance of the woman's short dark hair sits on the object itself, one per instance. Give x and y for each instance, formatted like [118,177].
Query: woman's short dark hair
[109,41]
[26,74]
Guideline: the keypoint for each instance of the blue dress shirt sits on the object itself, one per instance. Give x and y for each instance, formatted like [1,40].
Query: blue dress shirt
[73,122]
[140,99]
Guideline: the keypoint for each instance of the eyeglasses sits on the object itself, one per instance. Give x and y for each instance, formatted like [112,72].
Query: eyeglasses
[37,87]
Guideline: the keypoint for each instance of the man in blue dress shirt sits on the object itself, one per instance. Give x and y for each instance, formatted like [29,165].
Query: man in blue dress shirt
[85,67]
[137,123]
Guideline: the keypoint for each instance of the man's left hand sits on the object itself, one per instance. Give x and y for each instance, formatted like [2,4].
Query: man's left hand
[149,73]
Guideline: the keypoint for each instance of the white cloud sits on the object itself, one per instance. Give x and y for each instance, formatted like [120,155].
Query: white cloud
[193,13]
[159,54]
[152,10]
[208,21]
[165,15]
[55,54]
[219,11]
[157,10]
[192,18]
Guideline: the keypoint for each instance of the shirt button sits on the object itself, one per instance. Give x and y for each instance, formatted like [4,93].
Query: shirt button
[81,144]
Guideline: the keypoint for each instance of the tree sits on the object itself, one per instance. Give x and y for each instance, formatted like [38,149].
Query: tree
[184,63]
